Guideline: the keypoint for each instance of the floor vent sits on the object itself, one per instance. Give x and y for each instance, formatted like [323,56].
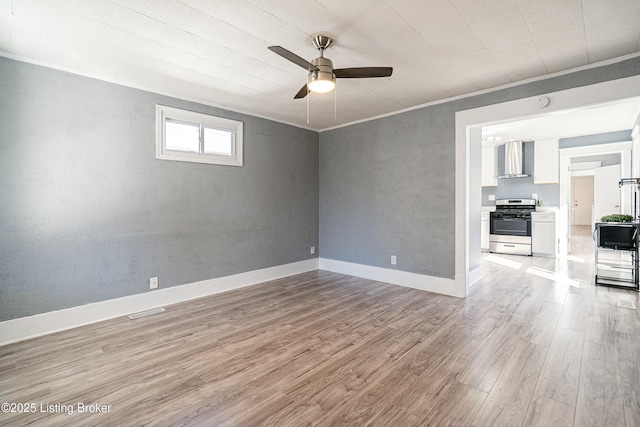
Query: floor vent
[625,303]
[146,313]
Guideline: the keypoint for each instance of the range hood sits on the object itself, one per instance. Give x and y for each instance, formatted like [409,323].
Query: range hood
[513,160]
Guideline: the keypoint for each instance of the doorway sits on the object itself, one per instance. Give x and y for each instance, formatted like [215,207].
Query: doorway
[582,218]
[468,142]
[582,195]
[595,192]
[605,164]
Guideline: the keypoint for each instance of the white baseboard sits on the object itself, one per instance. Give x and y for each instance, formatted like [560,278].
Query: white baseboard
[59,320]
[475,276]
[54,321]
[423,282]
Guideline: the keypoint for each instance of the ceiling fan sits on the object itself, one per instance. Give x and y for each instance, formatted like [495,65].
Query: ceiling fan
[322,76]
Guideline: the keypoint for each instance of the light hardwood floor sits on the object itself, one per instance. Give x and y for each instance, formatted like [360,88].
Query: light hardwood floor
[535,343]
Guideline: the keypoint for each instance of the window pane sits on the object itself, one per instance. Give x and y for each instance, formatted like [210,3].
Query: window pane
[189,136]
[182,136]
[218,141]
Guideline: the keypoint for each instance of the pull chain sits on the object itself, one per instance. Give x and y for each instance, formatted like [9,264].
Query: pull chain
[308,98]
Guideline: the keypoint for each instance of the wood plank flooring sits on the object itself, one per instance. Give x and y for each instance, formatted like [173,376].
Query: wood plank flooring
[534,344]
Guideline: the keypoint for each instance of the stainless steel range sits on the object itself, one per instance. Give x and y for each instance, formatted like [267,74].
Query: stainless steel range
[510,226]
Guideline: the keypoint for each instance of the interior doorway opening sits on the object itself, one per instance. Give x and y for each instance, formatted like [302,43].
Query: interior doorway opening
[582,219]
[594,169]
[468,141]
[582,196]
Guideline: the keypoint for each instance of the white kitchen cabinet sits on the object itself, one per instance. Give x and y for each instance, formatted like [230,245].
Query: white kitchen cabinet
[489,166]
[546,169]
[484,232]
[543,234]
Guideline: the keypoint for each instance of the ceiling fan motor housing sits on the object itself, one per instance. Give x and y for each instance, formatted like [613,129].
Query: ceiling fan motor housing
[322,80]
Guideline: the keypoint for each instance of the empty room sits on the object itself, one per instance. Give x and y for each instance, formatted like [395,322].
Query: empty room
[319,212]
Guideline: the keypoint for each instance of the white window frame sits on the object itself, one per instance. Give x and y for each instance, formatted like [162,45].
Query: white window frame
[164,113]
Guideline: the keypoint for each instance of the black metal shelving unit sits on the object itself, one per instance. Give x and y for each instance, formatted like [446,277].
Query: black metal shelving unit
[616,254]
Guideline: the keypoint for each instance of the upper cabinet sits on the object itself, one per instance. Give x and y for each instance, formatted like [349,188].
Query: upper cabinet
[546,161]
[489,166]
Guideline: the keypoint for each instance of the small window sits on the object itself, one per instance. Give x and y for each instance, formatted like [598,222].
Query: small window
[195,137]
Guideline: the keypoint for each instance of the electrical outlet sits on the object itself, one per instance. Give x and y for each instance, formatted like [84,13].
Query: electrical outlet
[534,196]
[153,283]
[492,197]
[394,260]
[312,250]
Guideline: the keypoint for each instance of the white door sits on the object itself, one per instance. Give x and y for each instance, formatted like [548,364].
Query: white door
[606,195]
[582,192]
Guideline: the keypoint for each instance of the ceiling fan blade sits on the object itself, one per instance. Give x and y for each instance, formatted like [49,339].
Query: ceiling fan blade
[362,72]
[288,55]
[304,91]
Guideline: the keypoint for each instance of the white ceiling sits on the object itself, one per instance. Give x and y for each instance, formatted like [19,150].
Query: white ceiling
[588,120]
[215,51]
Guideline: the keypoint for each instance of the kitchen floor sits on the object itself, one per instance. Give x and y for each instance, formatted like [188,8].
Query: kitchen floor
[534,343]
[582,243]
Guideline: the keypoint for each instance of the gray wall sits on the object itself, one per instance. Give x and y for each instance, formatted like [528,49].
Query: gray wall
[600,138]
[88,214]
[387,186]
[606,159]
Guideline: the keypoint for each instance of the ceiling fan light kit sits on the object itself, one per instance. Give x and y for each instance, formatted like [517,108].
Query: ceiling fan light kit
[323,80]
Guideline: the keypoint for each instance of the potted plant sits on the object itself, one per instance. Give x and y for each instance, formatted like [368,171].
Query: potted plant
[617,218]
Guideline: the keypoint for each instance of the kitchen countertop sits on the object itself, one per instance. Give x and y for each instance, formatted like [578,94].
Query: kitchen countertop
[547,209]
[538,209]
